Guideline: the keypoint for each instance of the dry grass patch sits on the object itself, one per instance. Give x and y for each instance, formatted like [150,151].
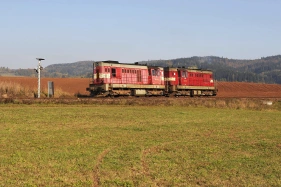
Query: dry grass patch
[12,89]
[16,90]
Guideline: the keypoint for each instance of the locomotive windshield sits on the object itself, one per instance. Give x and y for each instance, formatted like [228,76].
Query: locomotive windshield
[184,74]
[113,72]
[155,72]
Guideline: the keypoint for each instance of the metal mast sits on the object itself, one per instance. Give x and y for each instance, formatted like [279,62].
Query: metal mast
[39,68]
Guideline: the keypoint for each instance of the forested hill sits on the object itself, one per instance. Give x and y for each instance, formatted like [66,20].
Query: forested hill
[263,70]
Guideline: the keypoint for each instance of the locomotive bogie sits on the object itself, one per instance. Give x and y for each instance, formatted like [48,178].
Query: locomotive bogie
[209,93]
[120,92]
[155,93]
[180,93]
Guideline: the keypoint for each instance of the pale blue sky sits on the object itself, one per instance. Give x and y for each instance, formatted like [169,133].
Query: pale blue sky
[66,31]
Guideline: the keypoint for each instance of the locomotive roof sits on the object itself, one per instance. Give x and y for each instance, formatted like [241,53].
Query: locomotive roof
[188,69]
[110,61]
[127,64]
[117,62]
[136,64]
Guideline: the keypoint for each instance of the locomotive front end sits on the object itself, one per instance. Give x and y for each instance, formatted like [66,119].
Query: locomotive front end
[98,85]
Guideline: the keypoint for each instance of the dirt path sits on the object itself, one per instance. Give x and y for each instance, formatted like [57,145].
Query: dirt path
[96,172]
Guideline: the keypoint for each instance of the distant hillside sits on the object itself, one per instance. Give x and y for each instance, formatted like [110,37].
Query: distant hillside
[263,70]
[76,69]
[6,72]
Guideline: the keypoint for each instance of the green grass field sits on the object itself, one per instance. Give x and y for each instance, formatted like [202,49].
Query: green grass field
[99,145]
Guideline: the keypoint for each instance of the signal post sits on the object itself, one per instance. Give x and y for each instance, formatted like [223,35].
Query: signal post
[38,70]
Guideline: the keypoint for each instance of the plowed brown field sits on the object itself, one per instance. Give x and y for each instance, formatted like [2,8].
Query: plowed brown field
[242,89]
[79,85]
[69,85]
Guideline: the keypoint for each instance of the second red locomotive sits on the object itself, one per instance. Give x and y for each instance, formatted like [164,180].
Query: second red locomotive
[111,78]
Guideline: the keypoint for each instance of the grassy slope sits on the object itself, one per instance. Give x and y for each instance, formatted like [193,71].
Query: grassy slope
[85,145]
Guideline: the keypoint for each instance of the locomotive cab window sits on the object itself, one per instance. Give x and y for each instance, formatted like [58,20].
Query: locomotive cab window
[158,73]
[184,74]
[153,72]
[113,72]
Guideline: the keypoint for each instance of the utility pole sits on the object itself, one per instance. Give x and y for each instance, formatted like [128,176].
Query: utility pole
[38,70]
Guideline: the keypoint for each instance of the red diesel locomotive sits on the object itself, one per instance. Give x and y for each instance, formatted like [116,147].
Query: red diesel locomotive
[111,78]
[189,82]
